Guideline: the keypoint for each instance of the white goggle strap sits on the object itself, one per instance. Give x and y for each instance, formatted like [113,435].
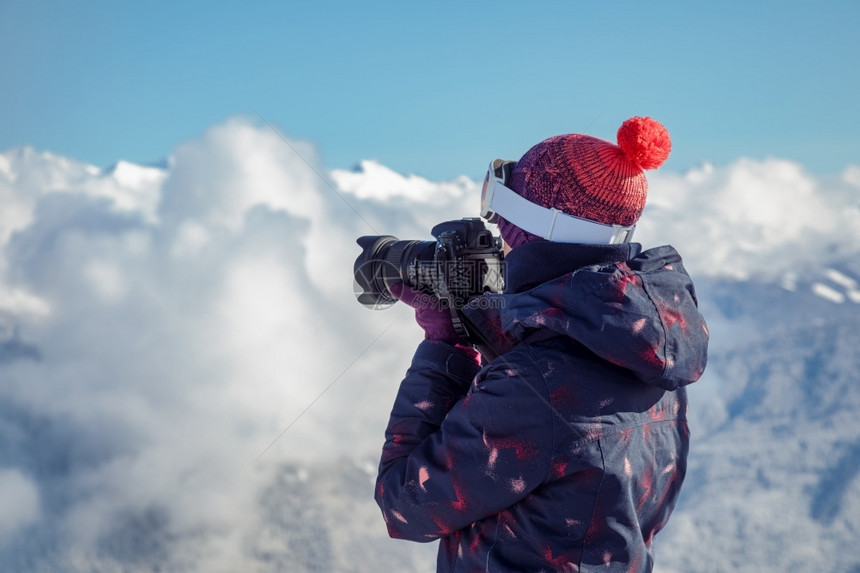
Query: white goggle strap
[552,224]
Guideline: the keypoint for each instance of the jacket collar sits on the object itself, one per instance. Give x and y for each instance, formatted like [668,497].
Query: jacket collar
[532,264]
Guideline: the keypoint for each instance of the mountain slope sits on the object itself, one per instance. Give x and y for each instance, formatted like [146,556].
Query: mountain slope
[774,476]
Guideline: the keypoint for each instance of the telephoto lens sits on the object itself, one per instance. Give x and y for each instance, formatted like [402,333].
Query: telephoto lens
[384,261]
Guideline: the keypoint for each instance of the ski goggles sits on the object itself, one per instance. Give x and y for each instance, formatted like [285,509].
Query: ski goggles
[549,223]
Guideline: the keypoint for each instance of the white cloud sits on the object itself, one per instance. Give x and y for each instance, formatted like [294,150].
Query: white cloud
[17,302]
[173,340]
[370,180]
[174,322]
[753,218]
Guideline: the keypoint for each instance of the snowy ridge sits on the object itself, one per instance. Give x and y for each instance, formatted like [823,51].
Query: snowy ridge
[776,447]
[837,287]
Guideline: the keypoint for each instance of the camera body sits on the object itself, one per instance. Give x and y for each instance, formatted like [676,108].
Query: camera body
[465,261]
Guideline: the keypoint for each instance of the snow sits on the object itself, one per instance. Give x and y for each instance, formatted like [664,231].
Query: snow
[779,460]
[828,293]
[161,328]
[849,284]
[841,279]
[838,287]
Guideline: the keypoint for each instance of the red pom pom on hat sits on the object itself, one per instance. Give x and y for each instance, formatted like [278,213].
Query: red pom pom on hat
[645,142]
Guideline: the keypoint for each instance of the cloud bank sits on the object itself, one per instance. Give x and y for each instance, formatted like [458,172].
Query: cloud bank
[754,219]
[171,337]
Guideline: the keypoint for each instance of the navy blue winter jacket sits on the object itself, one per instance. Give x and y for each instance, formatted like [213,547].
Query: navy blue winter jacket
[566,452]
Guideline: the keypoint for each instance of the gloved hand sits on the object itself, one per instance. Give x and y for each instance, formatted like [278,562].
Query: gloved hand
[429,314]
[433,318]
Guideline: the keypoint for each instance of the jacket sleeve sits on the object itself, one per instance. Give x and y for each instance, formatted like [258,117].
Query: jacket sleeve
[454,454]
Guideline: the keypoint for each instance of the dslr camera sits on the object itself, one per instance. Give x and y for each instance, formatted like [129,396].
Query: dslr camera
[463,262]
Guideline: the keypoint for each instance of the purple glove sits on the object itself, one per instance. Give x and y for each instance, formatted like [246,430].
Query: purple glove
[435,320]
[429,314]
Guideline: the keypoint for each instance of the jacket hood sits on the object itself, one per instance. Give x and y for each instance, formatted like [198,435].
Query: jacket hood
[637,310]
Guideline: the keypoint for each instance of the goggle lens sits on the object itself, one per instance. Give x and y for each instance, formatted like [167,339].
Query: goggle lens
[495,173]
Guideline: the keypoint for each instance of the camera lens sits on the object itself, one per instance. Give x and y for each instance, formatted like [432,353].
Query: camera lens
[385,261]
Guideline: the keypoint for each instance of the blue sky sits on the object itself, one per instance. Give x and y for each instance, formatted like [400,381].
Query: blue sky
[437,89]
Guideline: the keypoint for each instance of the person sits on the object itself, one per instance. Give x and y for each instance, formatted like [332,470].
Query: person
[566,448]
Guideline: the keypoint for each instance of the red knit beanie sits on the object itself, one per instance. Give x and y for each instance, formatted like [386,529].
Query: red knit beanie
[588,177]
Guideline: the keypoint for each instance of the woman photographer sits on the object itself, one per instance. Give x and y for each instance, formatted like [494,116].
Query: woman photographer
[564,449]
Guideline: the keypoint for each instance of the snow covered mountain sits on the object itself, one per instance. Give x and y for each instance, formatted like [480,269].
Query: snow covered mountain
[187,383]
[774,477]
